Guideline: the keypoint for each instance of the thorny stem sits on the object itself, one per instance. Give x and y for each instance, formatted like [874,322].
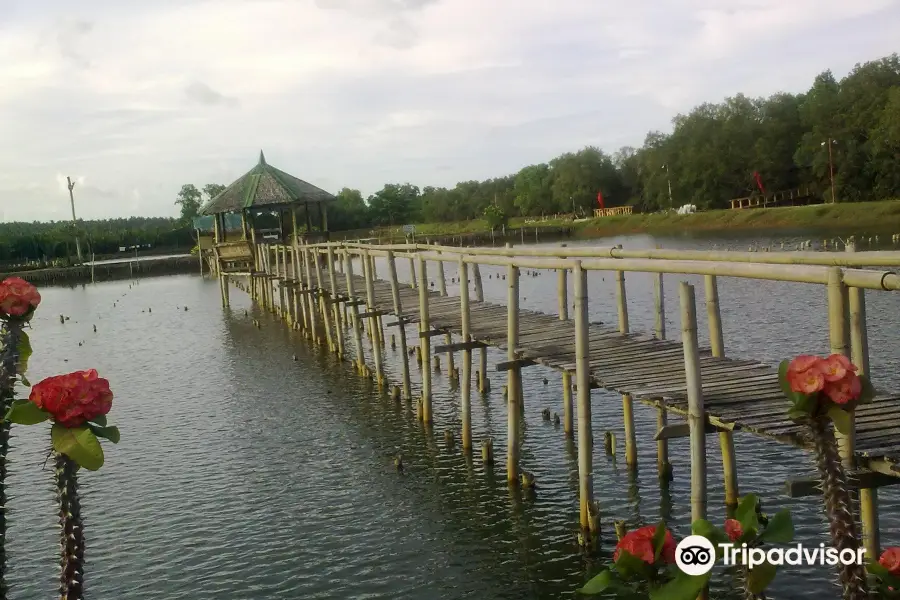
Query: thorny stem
[71,579]
[10,334]
[838,506]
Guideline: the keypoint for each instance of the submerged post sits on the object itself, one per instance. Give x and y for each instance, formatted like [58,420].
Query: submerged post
[373,323]
[514,375]
[466,392]
[627,400]
[442,289]
[696,411]
[354,313]
[562,293]
[424,341]
[335,305]
[323,301]
[484,384]
[583,383]
[311,297]
[717,345]
[859,350]
[663,467]
[401,323]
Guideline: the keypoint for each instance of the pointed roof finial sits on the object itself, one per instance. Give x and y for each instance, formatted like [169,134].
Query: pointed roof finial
[262,158]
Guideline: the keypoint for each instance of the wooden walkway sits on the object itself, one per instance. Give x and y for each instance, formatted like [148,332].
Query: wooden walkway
[739,395]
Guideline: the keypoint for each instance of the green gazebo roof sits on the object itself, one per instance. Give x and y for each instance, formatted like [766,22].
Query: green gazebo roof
[264,186]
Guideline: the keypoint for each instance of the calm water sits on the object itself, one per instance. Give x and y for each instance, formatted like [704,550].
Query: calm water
[244,474]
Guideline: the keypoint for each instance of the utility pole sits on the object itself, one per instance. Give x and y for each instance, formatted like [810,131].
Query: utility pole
[831,168]
[74,221]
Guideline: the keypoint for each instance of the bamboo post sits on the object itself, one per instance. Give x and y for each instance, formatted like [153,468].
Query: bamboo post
[513,374]
[278,278]
[354,313]
[442,288]
[562,293]
[298,294]
[466,391]
[370,306]
[627,400]
[401,323]
[270,282]
[583,383]
[837,326]
[717,345]
[484,384]
[663,466]
[377,323]
[859,351]
[412,271]
[696,411]
[310,296]
[424,341]
[323,301]
[335,304]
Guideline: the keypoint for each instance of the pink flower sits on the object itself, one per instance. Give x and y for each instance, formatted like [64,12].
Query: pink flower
[73,398]
[733,529]
[804,374]
[844,390]
[835,367]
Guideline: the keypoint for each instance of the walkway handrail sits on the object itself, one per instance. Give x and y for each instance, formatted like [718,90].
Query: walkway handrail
[880,258]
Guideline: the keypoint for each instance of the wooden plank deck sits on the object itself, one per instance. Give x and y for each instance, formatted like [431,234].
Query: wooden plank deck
[739,394]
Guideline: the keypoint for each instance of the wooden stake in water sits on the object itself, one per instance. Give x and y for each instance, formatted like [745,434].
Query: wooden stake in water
[514,378]
[483,381]
[583,382]
[696,411]
[627,400]
[466,391]
[425,341]
[354,313]
[370,306]
[401,323]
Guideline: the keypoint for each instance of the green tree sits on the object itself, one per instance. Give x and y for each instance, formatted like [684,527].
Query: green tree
[189,199]
[349,211]
[212,190]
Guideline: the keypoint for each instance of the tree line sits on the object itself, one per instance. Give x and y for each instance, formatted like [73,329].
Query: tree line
[739,147]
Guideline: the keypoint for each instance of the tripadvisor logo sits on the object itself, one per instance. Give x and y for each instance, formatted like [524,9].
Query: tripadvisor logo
[696,555]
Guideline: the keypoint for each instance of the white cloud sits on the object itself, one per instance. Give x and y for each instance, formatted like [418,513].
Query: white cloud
[138,98]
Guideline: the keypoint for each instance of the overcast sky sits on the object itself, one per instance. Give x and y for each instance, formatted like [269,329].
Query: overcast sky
[134,98]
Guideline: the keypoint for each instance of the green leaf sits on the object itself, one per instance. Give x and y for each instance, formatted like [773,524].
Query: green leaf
[760,577]
[782,379]
[26,413]
[24,352]
[78,443]
[99,420]
[659,538]
[780,529]
[876,569]
[628,565]
[683,587]
[797,415]
[868,392]
[109,433]
[805,403]
[841,419]
[24,380]
[598,583]
[746,513]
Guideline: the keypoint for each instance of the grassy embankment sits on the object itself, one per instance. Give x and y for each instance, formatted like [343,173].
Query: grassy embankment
[859,215]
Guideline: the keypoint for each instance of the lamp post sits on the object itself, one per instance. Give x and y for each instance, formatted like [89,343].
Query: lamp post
[74,222]
[829,143]
[669,181]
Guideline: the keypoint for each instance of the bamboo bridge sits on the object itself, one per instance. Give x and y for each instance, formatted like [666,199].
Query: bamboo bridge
[315,289]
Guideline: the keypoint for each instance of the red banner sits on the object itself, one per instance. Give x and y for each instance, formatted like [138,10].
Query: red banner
[600,199]
[759,183]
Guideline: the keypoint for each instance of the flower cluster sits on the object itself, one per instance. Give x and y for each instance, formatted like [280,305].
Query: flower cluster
[639,543]
[835,376]
[733,529]
[890,560]
[74,398]
[18,298]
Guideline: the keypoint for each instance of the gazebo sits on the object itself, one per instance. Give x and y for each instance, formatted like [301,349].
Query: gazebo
[265,194]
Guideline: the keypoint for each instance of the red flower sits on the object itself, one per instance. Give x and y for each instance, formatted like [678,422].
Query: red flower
[804,374]
[74,398]
[639,543]
[836,367]
[733,529]
[844,390]
[18,297]
[890,560]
